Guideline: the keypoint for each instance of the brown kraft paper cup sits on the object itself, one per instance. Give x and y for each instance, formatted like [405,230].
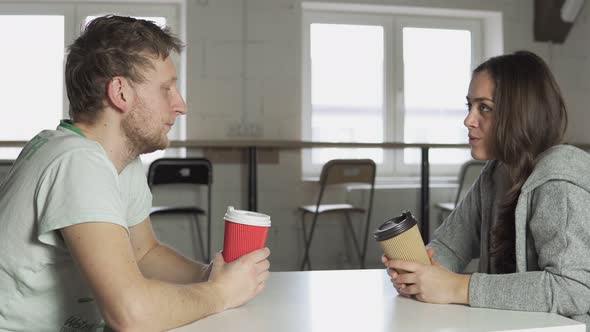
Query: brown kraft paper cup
[400,239]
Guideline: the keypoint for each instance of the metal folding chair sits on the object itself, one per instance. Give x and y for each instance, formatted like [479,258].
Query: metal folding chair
[468,173]
[194,171]
[5,166]
[341,172]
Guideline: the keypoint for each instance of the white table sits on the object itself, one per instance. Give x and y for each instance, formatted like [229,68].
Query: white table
[363,300]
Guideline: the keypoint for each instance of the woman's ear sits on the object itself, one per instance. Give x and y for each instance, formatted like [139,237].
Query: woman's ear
[119,93]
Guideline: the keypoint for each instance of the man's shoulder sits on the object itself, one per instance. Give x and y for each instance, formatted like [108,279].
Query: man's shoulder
[50,144]
[52,148]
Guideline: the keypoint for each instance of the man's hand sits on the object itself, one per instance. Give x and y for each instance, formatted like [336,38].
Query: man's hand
[128,300]
[428,283]
[241,280]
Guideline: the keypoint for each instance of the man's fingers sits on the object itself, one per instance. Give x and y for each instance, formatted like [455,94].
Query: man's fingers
[218,259]
[260,287]
[263,266]
[262,277]
[257,255]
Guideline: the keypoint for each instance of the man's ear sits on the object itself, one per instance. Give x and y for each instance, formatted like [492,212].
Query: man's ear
[119,93]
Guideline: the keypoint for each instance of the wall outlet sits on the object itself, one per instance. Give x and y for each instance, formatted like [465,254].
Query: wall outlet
[245,129]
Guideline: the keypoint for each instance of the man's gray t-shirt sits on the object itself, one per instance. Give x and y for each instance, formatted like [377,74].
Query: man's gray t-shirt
[59,179]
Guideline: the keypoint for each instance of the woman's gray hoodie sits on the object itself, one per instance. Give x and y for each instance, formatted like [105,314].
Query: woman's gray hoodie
[552,237]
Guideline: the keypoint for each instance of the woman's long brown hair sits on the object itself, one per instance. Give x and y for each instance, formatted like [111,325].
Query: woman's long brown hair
[529,118]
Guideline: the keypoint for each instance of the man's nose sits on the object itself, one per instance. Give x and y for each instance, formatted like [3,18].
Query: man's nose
[179,106]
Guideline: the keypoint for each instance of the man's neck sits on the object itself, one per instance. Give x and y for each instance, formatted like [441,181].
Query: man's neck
[112,139]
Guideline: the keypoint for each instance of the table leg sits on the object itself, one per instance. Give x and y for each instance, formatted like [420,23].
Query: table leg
[424,196]
[252,180]
[208,223]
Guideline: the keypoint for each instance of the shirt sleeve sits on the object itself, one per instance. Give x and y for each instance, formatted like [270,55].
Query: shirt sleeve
[135,188]
[560,229]
[80,186]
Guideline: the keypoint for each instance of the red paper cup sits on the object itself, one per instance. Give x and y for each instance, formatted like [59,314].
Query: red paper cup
[245,232]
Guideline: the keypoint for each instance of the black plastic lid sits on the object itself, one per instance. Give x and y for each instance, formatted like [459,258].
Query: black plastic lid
[395,226]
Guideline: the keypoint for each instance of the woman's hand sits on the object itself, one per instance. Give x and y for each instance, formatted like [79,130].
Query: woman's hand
[428,283]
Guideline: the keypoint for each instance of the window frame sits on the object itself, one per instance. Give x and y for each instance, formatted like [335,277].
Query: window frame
[486,37]
[310,169]
[65,10]
[75,13]
[474,26]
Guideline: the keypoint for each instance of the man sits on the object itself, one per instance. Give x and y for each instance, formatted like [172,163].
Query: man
[76,242]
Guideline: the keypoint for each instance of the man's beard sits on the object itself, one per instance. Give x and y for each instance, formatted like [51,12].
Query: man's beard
[139,130]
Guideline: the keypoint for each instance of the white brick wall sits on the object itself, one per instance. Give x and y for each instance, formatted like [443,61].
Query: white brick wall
[273,99]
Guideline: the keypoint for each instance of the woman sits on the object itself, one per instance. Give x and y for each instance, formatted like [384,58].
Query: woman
[527,217]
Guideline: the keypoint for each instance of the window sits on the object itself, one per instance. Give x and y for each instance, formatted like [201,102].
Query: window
[347,83]
[385,76]
[159,20]
[43,77]
[438,56]
[31,87]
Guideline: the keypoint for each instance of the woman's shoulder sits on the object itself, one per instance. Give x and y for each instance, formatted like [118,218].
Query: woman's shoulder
[560,162]
[563,159]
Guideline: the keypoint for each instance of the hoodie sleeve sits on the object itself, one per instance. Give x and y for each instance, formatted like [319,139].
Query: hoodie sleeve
[559,225]
[457,240]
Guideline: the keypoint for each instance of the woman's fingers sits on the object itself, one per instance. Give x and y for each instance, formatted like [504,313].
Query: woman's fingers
[398,285]
[430,252]
[404,265]
[406,278]
[392,273]
[409,290]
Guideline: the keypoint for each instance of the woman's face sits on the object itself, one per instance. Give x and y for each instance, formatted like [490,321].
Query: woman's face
[480,104]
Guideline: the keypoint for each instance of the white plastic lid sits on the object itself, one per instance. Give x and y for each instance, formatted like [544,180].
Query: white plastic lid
[247,217]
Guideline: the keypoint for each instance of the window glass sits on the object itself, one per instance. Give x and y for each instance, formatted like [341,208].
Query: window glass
[389,76]
[346,88]
[437,71]
[160,21]
[31,88]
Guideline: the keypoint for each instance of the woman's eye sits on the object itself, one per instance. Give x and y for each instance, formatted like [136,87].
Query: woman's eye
[484,108]
[468,106]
